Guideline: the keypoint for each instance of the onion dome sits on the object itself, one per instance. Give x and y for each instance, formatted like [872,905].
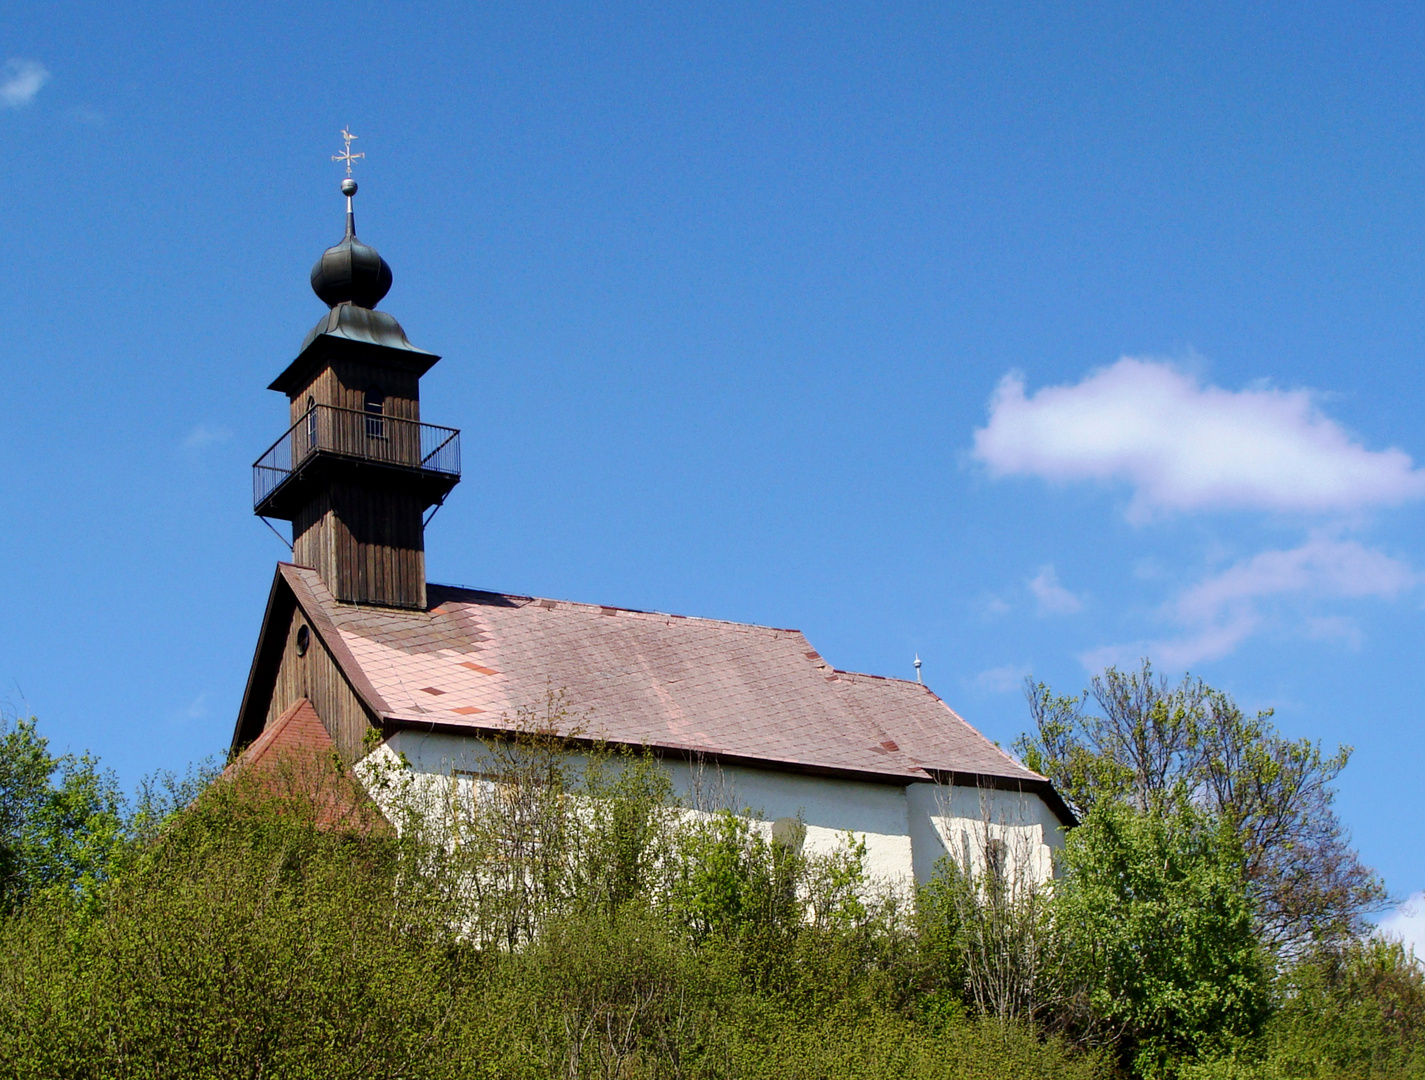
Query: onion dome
[351,272]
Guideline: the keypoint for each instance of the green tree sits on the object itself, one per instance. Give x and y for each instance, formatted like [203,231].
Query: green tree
[1356,1010]
[1156,747]
[1156,938]
[61,818]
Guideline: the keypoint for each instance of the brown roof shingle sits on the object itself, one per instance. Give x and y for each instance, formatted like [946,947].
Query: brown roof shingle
[681,684]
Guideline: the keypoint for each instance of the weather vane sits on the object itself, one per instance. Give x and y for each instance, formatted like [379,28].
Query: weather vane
[348,157]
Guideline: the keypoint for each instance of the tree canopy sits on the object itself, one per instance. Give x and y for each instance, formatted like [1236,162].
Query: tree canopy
[61,818]
[1159,747]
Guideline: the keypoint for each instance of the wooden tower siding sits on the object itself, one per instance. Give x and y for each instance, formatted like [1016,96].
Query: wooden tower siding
[343,382]
[368,551]
[358,484]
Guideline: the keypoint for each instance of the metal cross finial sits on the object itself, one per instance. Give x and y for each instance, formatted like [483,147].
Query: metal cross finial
[348,157]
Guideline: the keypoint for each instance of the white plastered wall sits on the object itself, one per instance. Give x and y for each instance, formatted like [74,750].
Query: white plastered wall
[963,821]
[906,828]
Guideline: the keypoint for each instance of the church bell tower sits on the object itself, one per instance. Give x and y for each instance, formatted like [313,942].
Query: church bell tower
[357,471]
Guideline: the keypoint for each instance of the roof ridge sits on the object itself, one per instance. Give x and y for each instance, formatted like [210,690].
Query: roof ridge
[882,678]
[615,607]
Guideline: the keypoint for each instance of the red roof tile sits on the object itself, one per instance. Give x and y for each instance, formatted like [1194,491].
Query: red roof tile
[298,730]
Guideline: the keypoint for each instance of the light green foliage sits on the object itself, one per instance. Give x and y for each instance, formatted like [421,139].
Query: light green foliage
[733,881]
[629,823]
[246,942]
[278,928]
[559,915]
[1156,941]
[61,818]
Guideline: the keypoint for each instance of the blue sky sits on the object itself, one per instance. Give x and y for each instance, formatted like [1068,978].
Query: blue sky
[1026,338]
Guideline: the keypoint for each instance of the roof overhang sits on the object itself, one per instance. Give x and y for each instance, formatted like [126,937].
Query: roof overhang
[358,333]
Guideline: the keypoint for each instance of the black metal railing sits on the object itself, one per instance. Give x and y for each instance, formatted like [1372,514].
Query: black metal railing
[355,433]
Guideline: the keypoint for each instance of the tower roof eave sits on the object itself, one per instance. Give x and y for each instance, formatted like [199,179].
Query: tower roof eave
[347,323]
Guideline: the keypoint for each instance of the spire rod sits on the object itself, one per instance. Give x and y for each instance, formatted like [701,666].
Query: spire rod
[348,186]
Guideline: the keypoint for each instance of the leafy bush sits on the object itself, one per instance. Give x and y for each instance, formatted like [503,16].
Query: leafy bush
[1156,937]
[277,928]
[1356,1012]
[560,915]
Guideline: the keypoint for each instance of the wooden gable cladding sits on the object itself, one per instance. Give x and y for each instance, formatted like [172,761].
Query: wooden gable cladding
[315,676]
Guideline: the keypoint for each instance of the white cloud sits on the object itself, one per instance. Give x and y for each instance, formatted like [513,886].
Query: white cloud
[994,607]
[1323,566]
[1001,680]
[1185,446]
[203,435]
[1407,923]
[1053,598]
[1335,628]
[20,81]
[1226,608]
[1148,568]
[1204,643]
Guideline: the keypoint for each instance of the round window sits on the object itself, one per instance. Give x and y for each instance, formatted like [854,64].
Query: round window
[304,639]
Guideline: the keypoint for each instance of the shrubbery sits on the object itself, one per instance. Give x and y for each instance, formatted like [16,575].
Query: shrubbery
[253,938]
[560,916]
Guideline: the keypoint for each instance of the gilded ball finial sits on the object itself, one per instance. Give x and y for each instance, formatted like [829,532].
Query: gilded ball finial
[348,187]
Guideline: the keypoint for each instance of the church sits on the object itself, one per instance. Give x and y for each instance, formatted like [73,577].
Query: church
[359,654]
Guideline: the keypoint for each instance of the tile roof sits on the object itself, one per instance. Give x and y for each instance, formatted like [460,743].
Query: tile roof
[298,730]
[688,685]
[294,756]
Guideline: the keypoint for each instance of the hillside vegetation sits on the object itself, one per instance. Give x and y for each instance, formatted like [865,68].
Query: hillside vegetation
[562,921]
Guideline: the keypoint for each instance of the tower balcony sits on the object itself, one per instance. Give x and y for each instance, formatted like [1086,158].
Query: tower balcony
[330,443]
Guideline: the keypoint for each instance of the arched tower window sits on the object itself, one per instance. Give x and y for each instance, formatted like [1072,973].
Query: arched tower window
[375,413]
[311,423]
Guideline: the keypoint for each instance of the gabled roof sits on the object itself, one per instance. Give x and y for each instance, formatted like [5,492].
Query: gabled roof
[734,692]
[297,731]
